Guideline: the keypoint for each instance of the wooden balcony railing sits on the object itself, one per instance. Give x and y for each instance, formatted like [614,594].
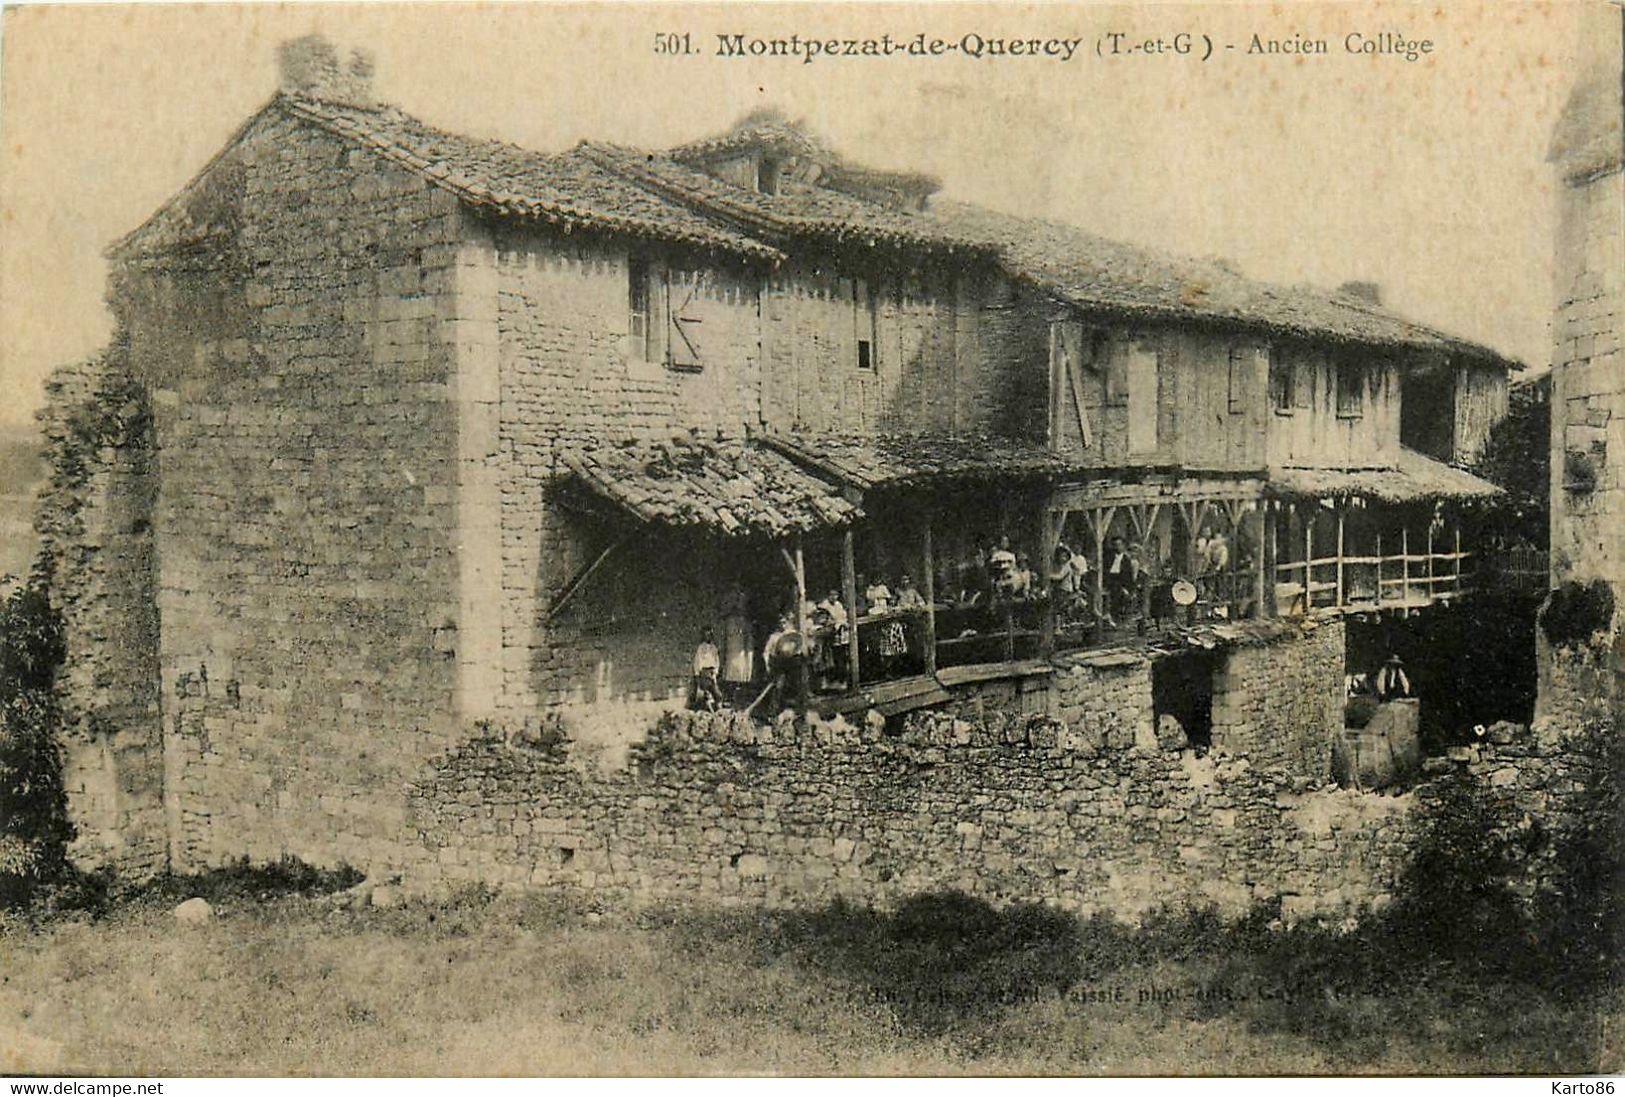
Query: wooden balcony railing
[1402,581]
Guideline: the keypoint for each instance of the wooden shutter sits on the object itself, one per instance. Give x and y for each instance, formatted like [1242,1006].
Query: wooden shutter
[1066,385]
[1142,399]
[685,323]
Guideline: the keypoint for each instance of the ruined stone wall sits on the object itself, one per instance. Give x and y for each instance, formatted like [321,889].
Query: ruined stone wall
[1280,703]
[1538,776]
[1582,681]
[300,361]
[1009,809]
[94,520]
[1051,786]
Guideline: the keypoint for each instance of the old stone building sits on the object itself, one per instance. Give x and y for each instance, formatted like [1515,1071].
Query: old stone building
[427,439]
[1588,386]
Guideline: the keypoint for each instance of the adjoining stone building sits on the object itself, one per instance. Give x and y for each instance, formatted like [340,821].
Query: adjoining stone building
[1588,385]
[422,435]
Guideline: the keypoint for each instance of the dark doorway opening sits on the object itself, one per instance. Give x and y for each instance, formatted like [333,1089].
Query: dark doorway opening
[1469,663]
[1182,687]
[1427,415]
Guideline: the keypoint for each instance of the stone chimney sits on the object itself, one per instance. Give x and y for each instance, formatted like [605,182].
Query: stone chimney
[310,67]
[1367,292]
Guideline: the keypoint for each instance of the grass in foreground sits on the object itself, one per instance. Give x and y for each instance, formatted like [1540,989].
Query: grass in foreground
[294,984]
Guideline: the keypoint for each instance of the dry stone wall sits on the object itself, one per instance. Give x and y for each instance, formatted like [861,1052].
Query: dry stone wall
[1014,808]
[1281,704]
[1539,776]
[1050,787]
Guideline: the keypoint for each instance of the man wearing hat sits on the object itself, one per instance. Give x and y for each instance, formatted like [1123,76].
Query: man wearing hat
[1391,680]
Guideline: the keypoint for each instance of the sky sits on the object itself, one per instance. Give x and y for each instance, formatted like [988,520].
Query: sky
[1427,177]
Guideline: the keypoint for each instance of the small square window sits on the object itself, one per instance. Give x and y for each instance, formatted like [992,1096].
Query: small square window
[767,176]
[865,322]
[637,299]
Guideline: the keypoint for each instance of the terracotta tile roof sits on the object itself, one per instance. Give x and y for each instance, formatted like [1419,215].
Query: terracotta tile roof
[733,488]
[562,188]
[796,210]
[774,136]
[783,139]
[1415,478]
[658,195]
[913,460]
[1095,273]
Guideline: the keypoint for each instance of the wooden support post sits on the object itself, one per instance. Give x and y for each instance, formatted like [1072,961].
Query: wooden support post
[1405,581]
[1308,557]
[849,592]
[802,669]
[1340,581]
[1145,517]
[1430,559]
[1274,557]
[930,598]
[1100,521]
[1195,515]
[1455,529]
[1236,514]
[1260,607]
[1379,569]
[1046,564]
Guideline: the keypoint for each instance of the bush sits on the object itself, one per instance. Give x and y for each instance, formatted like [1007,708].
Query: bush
[1580,921]
[1574,611]
[34,827]
[1452,900]
[1517,457]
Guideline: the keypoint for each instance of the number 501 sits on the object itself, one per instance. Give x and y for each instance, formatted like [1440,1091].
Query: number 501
[677,45]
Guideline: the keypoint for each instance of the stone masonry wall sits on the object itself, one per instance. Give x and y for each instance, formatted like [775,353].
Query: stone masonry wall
[299,353]
[1281,703]
[1009,809]
[1581,682]
[1588,384]
[569,374]
[1539,777]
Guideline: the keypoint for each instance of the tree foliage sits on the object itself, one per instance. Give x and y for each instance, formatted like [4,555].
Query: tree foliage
[34,827]
[1517,458]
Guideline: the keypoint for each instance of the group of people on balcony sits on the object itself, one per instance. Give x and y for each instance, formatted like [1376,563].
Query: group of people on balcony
[994,596]
[1125,576]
